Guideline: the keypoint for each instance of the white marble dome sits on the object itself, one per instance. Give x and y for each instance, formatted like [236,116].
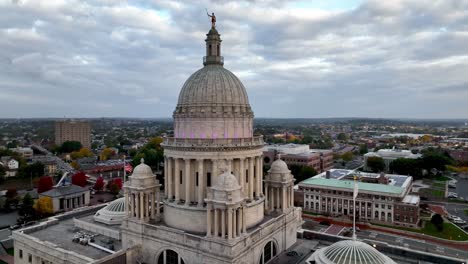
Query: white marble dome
[227,181]
[350,252]
[279,166]
[112,214]
[142,170]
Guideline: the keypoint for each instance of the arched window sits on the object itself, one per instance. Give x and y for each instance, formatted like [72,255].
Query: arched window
[389,217]
[169,257]
[376,215]
[209,50]
[269,252]
[382,216]
[218,51]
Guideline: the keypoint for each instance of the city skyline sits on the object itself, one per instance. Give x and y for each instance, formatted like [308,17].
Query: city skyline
[404,59]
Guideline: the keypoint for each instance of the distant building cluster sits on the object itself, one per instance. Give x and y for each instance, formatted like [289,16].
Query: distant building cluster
[389,155]
[73,130]
[299,154]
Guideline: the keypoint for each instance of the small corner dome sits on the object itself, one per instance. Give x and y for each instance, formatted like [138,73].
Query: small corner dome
[113,213]
[279,166]
[142,170]
[352,251]
[227,181]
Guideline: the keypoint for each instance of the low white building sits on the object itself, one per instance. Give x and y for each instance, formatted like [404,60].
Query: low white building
[66,198]
[389,155]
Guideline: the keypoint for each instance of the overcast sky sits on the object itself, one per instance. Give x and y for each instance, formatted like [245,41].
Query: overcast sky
[316,58]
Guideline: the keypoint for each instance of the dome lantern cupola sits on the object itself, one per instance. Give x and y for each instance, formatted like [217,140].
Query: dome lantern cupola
[213,48]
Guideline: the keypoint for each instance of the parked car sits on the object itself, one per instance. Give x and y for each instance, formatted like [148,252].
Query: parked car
[459,221]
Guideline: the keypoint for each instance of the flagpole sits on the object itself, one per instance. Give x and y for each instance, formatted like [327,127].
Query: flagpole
[125,173]
[354,208]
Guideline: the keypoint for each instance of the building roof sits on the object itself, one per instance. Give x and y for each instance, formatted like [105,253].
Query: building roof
[348,184]
[351,252]
[64,190]
[411,199]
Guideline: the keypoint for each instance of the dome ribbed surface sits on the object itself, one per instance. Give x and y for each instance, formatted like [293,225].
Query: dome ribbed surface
[112,214]
[116,205]
[213,85]
[354,252]
[227,181]
[279,166]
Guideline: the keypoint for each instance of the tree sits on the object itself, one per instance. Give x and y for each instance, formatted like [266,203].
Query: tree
[114,186]
[375,164]
[99,184]
[82,153]
[33,170]
[438,222]
[44,206]
[404,166]
[437,160]
[80,179]
[27,210]
[342,136]
[302,172]
[363,149]
[152,152]
[45,183]
[70,146]
[348,156]
[2,174]
[106,154]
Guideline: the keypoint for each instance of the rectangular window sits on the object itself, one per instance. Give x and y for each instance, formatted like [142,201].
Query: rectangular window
[29,258]
[180,176]
[196,178]
[20,253]
[208,179]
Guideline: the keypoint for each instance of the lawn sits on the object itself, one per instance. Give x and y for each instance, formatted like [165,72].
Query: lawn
[450,232]
[442,178]
[439,184]
[438,193]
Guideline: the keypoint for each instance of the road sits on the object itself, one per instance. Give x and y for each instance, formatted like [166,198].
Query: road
[416,244]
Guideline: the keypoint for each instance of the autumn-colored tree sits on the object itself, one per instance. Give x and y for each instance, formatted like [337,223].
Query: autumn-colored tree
[119,183]
[106,154]
[79,179]
[44,206]
[45,183]
[99,184]
[114,186]
[82,153]
[75,165]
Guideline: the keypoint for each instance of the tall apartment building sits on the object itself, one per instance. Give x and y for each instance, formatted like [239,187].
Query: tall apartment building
[299,154]
[73,130]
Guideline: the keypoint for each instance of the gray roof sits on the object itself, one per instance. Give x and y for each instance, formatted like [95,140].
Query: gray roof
[64,190]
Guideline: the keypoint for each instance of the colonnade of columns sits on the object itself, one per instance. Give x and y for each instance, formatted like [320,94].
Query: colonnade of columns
[143,205]
[280,198]
[225,222]
[202,173]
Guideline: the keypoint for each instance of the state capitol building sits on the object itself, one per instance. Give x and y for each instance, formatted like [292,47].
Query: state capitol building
[216,206]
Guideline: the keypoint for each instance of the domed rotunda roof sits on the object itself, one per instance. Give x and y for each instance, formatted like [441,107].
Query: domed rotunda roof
[279,166]
[142,170]
[113,213]
[227,181]
[350,252]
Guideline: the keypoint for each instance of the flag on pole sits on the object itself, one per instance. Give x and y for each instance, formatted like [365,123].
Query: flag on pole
[355,191]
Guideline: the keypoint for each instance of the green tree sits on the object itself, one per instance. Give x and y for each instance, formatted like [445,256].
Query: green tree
[27,210]
[438,222]
[363,149]
[70,146]
[152,152]
[348,156]
[32,170]
[342,136]
[375,164]
[404,166]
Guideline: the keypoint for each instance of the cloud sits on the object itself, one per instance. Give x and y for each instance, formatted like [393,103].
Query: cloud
[402,58]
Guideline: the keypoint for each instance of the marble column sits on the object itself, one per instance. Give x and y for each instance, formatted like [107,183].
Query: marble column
[156,200]
[127,199]
[272,205]
[244,221]
[170,178]
[201,183]
[229,165]
[208,220]
[284,198]
[176,179]
[223,223]
[229,223]
[216,222]
[214,172]
[166,185]
[251,178]
[242,175]
[267,200]
[133,204]
[258,185]
[187,182]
